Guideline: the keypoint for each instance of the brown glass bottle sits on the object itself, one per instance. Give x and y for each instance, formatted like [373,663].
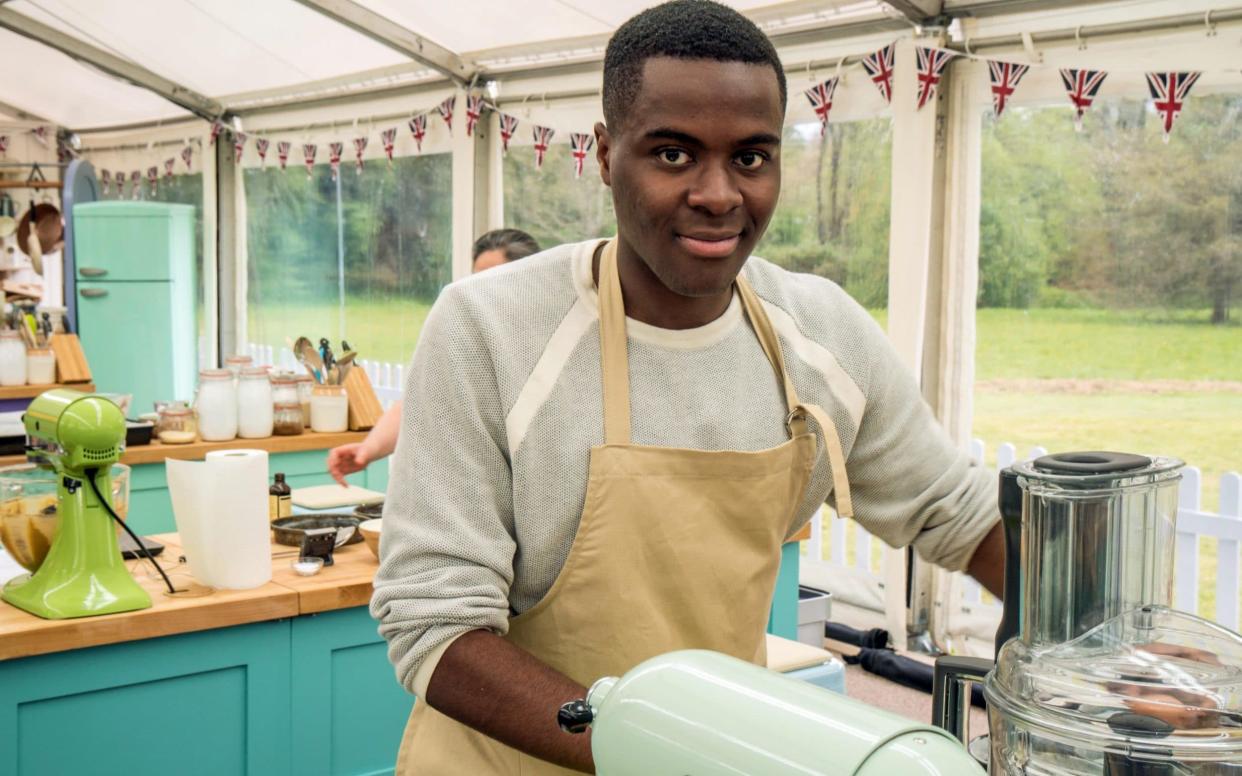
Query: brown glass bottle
[279,499]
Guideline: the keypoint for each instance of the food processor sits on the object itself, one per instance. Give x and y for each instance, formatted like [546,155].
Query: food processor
[1095,673]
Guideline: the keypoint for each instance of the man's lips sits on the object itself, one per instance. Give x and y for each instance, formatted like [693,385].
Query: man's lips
[710,246]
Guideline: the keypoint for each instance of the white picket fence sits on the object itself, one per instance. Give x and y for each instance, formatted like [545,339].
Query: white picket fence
[859,582]
[388,380]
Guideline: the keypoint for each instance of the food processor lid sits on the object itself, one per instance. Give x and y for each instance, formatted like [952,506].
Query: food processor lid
[1156,683]
[1096,469]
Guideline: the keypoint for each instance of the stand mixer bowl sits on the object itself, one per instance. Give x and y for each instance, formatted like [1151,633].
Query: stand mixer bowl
[29,518]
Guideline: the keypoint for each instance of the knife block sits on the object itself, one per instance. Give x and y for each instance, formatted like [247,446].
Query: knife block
[71,366]
[364,405]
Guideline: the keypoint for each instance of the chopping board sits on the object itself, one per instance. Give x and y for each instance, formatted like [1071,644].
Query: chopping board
[334,497]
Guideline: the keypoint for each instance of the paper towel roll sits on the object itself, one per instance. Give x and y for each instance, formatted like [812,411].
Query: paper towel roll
[220,507]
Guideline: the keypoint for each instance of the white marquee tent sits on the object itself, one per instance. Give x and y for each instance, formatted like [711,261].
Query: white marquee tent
[130,79]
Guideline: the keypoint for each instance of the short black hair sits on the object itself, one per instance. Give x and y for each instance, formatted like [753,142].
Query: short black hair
[514,242]
[682,29]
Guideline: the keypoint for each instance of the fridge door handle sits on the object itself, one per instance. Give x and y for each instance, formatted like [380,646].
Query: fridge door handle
[93,293]
[92,272]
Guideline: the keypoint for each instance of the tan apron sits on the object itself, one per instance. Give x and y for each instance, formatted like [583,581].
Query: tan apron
[692,537]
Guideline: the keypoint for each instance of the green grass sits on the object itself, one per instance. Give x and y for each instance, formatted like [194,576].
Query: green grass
[1103,344]
[382,329]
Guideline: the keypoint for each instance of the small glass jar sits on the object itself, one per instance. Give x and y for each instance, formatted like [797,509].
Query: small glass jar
[12,358]
[40,366]
[329,409]
[236,364]
[285,388]
[306,385]
[287,419]
[254,404]
[177,425]
[216,405]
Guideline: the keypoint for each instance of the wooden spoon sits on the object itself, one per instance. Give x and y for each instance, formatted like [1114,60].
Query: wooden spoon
[309,357]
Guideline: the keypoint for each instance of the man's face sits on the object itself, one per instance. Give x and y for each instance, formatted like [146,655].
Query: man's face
[488,259]
[695,169]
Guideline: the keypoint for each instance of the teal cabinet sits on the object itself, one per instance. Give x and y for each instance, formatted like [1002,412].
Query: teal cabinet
[783,616]
[136,296]
[150,506]
[348,710]
[311,695]
[206,703]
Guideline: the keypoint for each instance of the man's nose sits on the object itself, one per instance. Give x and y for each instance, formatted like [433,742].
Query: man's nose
[715,190]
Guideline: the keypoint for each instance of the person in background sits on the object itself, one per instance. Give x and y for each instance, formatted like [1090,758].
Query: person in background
[497,247]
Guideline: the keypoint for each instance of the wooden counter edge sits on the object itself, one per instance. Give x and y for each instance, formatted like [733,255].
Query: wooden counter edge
[158,453]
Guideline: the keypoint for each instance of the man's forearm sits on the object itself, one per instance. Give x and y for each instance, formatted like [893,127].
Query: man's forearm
[383,438]
[503,691]
[987,565]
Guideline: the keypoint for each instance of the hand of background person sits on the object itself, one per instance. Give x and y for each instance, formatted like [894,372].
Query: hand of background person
[347,459]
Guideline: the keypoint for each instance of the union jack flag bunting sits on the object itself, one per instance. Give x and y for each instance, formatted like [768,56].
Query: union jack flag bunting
[1168,93]
[543,138]
[1005,77]
[389,138]
[239,143]
[879,67]
[360,146]
[445,109]
[931,64]
[580,144]
[820,96]
[508,125]
[135,184]
[1082,86]
[216,128]
[474,109]
[153,177]
[261,145]
[4,143]
[334,157]
[282,152]
[418,128]
[309,150]
[187,154]
[169,164]
[40,134]
[105,179]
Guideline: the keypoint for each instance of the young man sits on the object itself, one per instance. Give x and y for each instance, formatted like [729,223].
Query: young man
[494,248]
[608,443]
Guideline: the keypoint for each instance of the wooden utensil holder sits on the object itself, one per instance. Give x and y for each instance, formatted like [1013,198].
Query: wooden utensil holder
[71,365]
[364,405]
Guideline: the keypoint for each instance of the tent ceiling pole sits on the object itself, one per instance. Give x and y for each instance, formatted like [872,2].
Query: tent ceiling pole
[917,11]
[382,30]
[21,114]
[110,63]
[1118,29]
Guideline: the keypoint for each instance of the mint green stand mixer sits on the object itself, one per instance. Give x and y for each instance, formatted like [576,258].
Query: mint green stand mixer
[79,437]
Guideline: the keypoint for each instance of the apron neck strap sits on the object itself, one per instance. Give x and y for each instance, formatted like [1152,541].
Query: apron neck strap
[615,358]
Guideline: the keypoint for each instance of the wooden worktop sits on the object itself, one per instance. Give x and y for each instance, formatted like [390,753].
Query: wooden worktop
[347,583]
[158,453]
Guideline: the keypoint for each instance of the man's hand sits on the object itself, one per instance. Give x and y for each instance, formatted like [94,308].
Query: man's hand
[347,459]
[502,691]
[987,565]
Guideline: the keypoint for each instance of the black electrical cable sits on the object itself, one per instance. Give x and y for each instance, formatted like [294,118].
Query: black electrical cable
[90,477]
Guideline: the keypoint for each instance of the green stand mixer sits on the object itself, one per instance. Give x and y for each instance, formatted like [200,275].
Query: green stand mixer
[79,437]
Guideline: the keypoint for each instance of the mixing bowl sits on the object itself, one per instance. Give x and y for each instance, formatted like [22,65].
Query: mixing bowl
[28,509]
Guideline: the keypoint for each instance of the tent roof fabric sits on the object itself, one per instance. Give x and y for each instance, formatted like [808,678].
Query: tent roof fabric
[239,51]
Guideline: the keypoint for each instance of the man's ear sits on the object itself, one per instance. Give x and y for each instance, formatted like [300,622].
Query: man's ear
[603,145]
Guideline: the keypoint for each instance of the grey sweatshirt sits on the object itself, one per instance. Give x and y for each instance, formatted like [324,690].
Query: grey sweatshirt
[503,403]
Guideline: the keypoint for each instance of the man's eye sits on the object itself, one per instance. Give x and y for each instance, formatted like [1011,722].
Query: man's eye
[674,156]
[750,160]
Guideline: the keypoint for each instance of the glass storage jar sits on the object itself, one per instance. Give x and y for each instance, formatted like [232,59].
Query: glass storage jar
[254,404]
[287,419]
[40,366]
[12,358]
[306,384]
[217,405]
[177,424]
[235,364]
[329,409]
[284,388]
